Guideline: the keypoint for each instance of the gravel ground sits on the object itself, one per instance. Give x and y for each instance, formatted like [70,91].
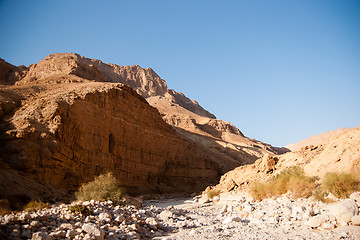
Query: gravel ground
[230,216]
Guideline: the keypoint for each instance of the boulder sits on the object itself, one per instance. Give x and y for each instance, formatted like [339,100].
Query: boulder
[356,197]
[344,210]
[316,221]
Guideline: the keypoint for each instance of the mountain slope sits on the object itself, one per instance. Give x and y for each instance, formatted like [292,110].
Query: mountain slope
[340,153]
[316,140]
[187,116]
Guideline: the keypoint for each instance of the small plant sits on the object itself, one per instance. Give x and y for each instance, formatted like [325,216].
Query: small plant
[341,184]
[320,195]
[80,209]
[35,205]
[213,193]
[259,190]
[104,187]
[292,179]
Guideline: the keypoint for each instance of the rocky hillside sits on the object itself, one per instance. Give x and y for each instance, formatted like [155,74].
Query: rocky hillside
[316,140]
[69,118]
[340,153]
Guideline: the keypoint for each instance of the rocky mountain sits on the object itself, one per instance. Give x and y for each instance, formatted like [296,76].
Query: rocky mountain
[316,140]
[69,118]
[340,153]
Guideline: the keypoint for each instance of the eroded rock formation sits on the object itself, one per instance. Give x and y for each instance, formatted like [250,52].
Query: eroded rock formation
[69,118]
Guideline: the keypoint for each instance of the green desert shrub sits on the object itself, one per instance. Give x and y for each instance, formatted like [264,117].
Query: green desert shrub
[104,187]
[292,179]
[320,195]
[341,184]
[80,209]
[213,193]
[35,205]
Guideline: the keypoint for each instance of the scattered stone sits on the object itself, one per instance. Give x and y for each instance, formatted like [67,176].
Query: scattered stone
[41,236]
[316,221]
[231,219]
[93,230]
[165,215]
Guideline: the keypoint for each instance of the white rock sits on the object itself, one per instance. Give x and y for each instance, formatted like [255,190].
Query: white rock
[231,219]
[248,208]
[355,220]
[133,235]
[356,197]
[34,223]
[94,230]
[327,225]
[216,199]
[316,221]
[24,216]
[224,209]
[204,199]
[165,215]
[120,218]
[9,218]
[344,210]
[152,222]
[104,216]
[86,203]
[58,234]
[41,236]
[194,232]
[66,226]
[297,212]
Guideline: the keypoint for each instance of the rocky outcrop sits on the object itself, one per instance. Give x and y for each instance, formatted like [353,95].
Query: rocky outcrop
[67,134]
[316,140]
[57,68]
[341,153]
[9,74]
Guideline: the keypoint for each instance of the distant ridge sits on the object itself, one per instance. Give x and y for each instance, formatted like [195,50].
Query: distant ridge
[316,139]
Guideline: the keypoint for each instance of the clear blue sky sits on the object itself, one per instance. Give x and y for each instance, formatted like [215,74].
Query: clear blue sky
[280,71]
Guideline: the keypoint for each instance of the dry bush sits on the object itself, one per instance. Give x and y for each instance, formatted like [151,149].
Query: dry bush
[83,210]
[320,195]
[259,190]
[213,193]
[104,187]
[35,205]
[341,184]
[292,179]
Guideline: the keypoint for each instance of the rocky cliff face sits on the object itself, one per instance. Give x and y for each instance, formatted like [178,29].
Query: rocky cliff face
[67,134]
[145,81]
[222,138]
[69,118]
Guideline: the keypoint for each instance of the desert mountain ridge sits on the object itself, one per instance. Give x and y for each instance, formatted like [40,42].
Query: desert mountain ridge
[316,139]
[68,118]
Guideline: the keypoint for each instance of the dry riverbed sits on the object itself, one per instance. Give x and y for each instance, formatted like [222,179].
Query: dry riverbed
[230,216]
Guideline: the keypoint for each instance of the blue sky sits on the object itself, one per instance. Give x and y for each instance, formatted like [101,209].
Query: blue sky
[280,71]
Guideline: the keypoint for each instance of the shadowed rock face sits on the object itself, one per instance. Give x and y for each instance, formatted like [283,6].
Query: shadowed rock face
[74,132]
